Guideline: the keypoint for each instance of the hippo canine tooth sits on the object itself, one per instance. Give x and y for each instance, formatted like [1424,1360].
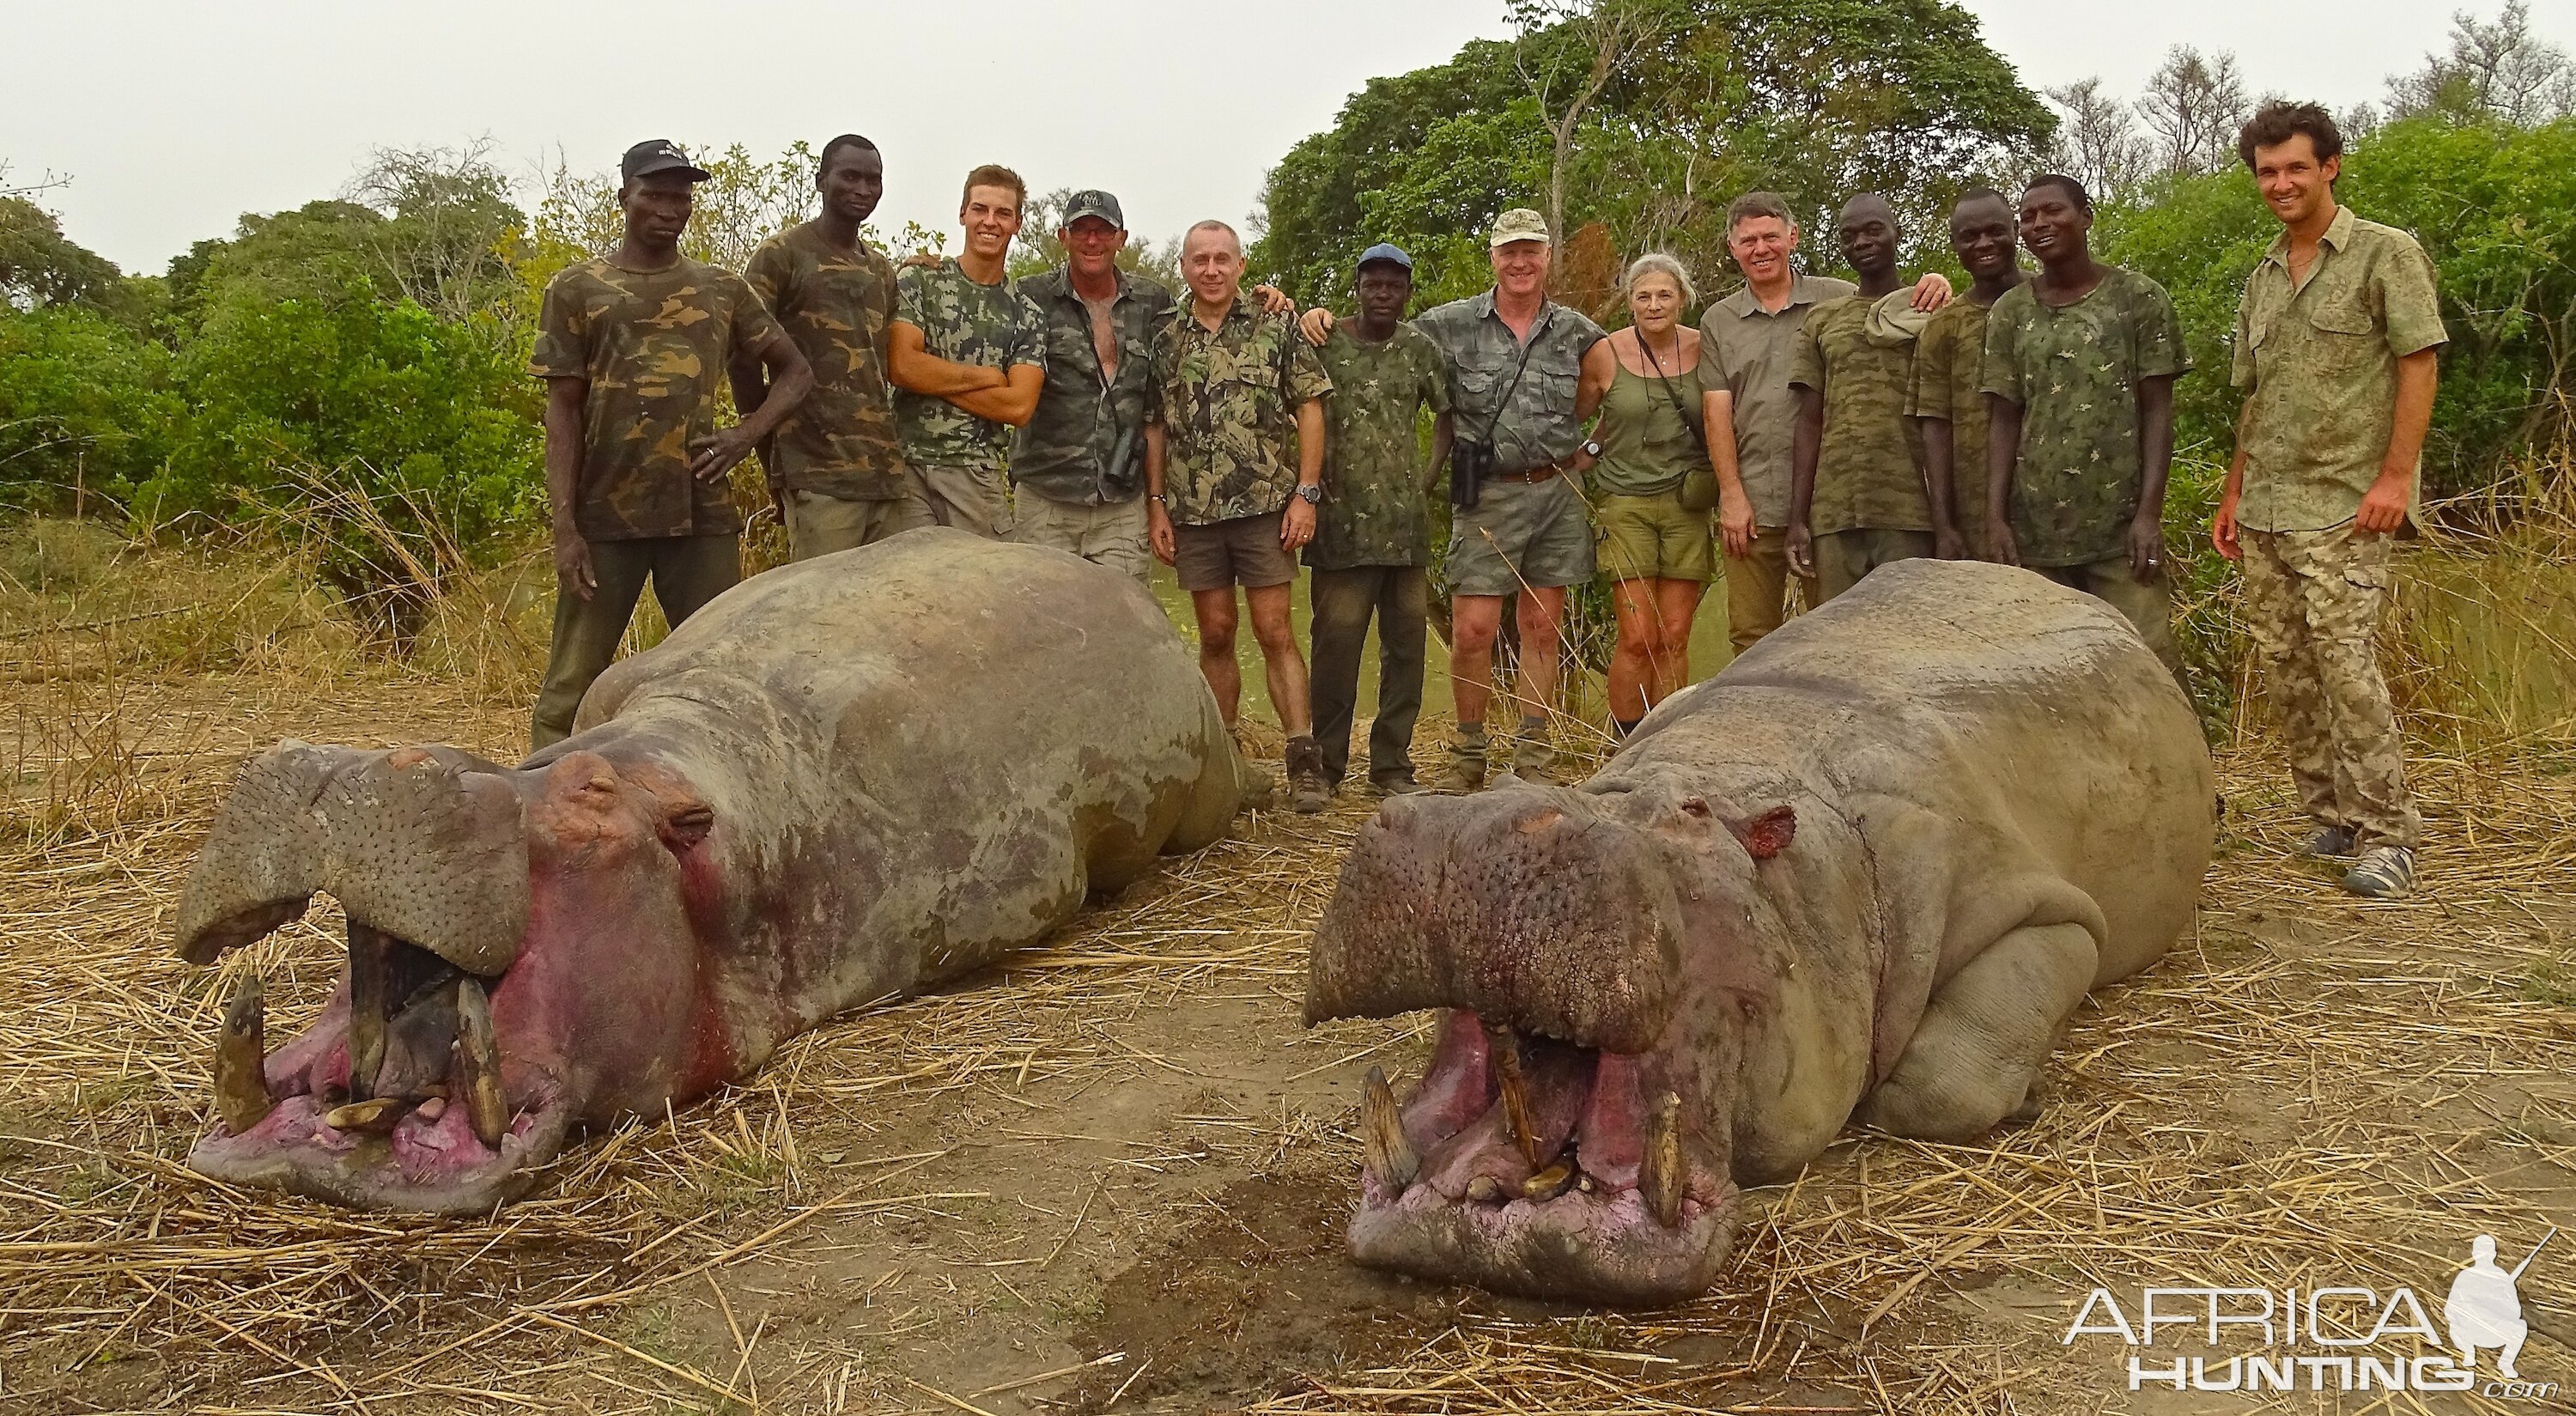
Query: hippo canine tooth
[1485,1190]
[1390,1158]
[478,1055]
[376,1115]
[1549,1183]
[1659,1176]
[241,1058]
[1506,1050]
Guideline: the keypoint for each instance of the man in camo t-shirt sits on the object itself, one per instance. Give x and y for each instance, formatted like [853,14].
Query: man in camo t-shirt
[632,347]
[969,357]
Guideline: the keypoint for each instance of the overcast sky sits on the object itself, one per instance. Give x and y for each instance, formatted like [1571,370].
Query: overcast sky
[171,119]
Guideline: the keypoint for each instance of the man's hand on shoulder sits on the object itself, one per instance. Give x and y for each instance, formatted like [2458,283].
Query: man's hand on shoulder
[1316,324]
[1273,300]
[1932,291]
[920,260]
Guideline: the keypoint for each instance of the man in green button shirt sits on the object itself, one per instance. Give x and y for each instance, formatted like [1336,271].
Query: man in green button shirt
[1372,541]
[2335,349]
[2080,365]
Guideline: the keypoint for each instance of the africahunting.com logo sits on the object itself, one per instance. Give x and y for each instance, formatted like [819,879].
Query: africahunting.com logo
[2329,1338]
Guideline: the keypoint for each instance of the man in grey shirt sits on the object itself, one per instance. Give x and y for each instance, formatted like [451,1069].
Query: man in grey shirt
[1746,343]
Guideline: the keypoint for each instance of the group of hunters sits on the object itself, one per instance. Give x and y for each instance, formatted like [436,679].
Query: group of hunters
[1809,430]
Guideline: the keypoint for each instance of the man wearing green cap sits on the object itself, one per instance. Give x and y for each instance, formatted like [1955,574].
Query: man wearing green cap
[633,347]
[1373,532]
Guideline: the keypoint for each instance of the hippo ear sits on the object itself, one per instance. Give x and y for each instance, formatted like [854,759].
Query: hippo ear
[1768,834]
[687,824]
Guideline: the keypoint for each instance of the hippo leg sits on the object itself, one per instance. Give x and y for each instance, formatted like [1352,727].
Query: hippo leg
[1985,1035]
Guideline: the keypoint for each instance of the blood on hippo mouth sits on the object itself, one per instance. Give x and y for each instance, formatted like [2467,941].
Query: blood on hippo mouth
[1530,1164]
[394,1097]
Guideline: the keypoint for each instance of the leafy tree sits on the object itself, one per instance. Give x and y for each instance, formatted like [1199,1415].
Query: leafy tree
[320,252]
[40,266]
[452,231]
[2500,71]
[87,408]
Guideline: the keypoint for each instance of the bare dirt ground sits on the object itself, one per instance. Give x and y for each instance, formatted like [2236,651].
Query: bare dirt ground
[1110,1175]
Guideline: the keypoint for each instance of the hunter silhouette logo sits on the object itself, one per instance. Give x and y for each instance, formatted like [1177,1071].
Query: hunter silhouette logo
[2485,1307]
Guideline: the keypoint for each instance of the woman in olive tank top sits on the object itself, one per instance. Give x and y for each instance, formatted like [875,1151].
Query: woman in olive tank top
[1660,555]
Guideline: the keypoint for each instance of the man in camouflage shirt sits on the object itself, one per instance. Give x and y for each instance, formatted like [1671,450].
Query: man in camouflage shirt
[1947,398]
[2080,365]
[2336,348]
[1372,541]
[1857,498]
[969,356]
[1230,384]
[836,466]
[631,346]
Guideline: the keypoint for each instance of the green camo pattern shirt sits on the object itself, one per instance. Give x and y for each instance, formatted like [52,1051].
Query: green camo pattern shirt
[1086,443]
[2075,371]
[655,345]
[1227,399]
[1375,508]
[837,305]
[2319,366]
[1869,470]
[963,322]
[1949,374]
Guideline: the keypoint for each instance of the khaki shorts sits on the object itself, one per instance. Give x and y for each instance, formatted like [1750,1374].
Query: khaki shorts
[818,525]
[968,498]
[1244,551]
[1520,536]
[1655,538]
[1111,534]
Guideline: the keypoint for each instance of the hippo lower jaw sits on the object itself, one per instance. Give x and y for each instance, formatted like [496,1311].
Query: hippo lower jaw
[1538,1167]
[421,1164]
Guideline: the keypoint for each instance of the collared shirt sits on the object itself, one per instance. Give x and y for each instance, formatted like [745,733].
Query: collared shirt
[837,305]
[1746,350]
[654,346]
[2319,363]
[1949,373]
[1537,426]
[1376,505]
[1869,468]
[963,321]
[1086,443]
[1226,399]
[2075,371]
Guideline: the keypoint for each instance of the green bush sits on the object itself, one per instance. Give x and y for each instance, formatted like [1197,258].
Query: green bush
[86,408]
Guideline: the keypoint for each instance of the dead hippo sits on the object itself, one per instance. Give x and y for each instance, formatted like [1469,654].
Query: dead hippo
[844,779]
[1866,873]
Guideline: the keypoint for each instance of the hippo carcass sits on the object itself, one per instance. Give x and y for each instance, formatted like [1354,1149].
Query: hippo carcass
[843,779]
[1867,872]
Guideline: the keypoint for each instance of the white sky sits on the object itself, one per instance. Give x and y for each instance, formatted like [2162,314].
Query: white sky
[170,119]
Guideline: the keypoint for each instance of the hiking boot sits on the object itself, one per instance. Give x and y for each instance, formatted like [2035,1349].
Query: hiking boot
[1534,757]
[1464,771]
[1394,785]
[1253,786]
[2330,842]
[2382,873]
[1308,789]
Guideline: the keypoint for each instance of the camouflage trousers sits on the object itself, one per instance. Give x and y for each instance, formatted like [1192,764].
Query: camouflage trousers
[2313,601]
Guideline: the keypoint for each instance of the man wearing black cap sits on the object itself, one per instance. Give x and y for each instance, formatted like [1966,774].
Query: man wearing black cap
[1372,541]
[632,346]
[1079,464]
[836,467]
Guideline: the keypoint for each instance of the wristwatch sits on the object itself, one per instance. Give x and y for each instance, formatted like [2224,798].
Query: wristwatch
[1312,493]
[1592,449]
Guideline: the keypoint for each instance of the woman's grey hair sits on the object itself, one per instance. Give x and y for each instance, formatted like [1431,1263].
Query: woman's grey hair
[1659,263]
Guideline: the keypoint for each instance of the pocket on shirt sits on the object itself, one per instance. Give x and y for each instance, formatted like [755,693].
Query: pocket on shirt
[2347,337]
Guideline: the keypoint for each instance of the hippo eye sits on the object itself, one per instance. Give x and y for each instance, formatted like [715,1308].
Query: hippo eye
[1695,806]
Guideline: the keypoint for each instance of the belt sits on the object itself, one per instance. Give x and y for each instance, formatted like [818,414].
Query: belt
[1535,474]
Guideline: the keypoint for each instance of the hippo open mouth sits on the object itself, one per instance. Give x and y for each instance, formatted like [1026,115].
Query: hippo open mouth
[399,1095]
[1548,1149]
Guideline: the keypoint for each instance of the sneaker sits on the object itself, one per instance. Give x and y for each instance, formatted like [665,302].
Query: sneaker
[1464,770]
[2382,873]
[2330,842]
[1307,788]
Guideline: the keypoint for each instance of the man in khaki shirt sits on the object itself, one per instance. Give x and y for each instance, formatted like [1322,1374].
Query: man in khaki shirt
[2335,348]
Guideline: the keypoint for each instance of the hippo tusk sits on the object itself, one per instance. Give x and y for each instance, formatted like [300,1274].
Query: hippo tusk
[1389,1158]
[1484,1190]
[479,1064]
[1549,1183]
[377,1115]
[370,964]
[241,1059]
[1506,1050]
[1659,1176]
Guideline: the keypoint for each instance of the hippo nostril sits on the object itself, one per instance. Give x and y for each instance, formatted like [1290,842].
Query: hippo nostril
[1695,806]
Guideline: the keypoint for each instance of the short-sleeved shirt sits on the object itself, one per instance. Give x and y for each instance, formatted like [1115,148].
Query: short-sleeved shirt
[1747,350]
[1376,508]
[964,322]
[1086,443]
[1949,373]
[2075,371]
[1537,427]
[655,346]
[837,305]
[1227,400]
[1869,469]
[2319,363]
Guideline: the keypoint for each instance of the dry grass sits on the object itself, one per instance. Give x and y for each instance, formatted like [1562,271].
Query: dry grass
[2310,1089]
